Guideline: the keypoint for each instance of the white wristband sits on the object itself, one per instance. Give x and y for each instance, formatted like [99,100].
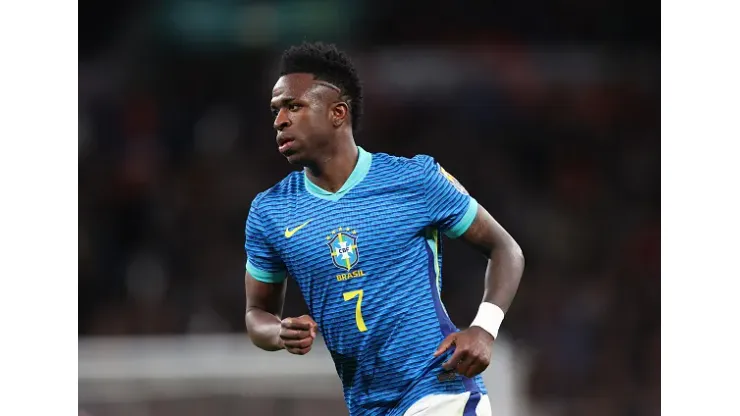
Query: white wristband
[489,318]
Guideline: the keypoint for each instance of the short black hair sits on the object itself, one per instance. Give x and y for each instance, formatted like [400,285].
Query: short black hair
[329,64]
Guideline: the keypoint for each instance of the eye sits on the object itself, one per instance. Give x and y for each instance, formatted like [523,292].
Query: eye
[274,111]
[293,107]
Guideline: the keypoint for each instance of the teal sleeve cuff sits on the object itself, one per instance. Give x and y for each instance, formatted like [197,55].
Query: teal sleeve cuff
[464,223]
[263,276]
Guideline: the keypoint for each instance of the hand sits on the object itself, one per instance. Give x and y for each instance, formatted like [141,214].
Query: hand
[297,334]
[472,351]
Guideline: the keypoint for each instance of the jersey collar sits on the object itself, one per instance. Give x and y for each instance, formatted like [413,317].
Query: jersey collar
[364,161]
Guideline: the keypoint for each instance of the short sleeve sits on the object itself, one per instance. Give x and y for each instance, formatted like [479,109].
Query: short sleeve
[263,261]
[450,208]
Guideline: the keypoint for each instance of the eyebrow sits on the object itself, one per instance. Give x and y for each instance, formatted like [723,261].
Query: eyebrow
[282,101]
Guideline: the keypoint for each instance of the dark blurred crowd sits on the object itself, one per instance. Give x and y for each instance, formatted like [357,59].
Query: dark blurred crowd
[560,142]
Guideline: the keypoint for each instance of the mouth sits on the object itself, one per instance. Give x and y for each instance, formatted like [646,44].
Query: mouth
[284,143]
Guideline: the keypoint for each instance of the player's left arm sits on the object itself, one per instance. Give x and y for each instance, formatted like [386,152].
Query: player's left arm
[473,346]
[505,259]
[454,211]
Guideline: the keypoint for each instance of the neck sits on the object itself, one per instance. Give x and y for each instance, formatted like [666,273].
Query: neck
[335,166]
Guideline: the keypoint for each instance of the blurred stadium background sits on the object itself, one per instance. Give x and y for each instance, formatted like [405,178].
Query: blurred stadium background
[547,111]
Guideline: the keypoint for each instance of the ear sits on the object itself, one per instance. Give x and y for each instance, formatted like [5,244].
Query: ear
[339,113]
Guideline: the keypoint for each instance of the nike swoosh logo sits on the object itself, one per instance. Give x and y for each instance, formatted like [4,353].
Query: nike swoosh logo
[289,233]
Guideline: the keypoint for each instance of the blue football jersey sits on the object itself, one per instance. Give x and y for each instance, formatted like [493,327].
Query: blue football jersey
[368,262]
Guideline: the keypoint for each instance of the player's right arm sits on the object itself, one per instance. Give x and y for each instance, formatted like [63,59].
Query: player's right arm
[264,326]
[264,308]
[265,283]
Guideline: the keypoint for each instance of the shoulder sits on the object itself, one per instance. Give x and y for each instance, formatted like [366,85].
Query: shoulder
[415,166]
[278,194]
[423,170]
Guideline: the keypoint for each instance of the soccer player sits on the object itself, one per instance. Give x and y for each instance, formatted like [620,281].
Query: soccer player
[360,233]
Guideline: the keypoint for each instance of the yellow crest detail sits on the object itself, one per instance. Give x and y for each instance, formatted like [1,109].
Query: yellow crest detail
[453,180]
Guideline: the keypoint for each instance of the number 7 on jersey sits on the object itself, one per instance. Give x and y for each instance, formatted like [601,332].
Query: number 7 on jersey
[358,309]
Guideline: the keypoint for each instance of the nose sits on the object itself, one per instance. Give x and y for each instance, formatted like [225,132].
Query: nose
[281,121]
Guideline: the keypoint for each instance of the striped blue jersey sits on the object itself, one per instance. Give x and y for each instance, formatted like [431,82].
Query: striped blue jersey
[368,261]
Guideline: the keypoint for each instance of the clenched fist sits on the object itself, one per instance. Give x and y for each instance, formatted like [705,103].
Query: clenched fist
[297,334]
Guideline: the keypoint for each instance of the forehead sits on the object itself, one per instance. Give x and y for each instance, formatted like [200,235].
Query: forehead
[295,86]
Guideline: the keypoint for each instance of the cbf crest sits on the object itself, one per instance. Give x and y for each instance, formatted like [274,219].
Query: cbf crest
[343,246]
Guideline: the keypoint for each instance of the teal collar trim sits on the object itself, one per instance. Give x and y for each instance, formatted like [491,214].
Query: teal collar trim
[364,161]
